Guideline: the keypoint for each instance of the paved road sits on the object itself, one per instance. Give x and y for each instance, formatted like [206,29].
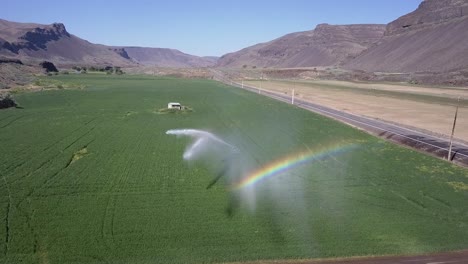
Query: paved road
[416,139]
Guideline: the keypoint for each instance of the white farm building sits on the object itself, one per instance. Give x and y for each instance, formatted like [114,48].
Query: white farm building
[174,106]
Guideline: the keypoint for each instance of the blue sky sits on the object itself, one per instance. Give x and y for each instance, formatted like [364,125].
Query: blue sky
[204,27]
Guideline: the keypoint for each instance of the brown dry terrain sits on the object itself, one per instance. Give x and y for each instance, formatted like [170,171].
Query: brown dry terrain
[203,73]
[166,58]
[323,46]
[424,108]
[427,45]
[432,38]
[457,257]
[34,42]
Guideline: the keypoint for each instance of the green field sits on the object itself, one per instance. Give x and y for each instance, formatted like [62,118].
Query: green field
[89,176]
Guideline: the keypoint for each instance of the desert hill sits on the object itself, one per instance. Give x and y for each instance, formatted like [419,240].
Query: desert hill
[28,42]
[324,46]
[35,42]
[432,38]
[165,57]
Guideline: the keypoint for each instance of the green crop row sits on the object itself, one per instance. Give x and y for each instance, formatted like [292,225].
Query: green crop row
[131,198]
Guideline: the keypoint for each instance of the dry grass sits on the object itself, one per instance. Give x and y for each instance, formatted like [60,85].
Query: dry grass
[403,106]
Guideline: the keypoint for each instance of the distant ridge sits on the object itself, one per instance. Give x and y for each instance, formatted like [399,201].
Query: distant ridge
[166,57]
[432,38]
[36,42]
[326,45]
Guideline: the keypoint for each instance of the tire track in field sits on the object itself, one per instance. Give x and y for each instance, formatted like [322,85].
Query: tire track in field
[436,200]
[69,134]
[6,117]
[423,208]
[110,203]
[7,218]
[125,175]
[53,176]
[32,189]
[78,139]
[28,215]
[48,161]
[109,211]
[14,120]
[22,162]
[108,218]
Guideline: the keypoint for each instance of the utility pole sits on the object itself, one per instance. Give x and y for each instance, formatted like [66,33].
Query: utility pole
[261,83]
[294,87]
[453,131]
[292,97]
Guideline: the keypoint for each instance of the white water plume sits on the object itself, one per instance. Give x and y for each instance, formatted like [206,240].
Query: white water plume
[222,159]
[274,190]
[204,142]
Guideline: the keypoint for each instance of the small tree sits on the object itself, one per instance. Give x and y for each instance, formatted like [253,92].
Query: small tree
[6,101]
[49,66]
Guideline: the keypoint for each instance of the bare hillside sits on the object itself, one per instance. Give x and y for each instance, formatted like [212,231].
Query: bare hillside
[36,42]
[160,57]
[28,42]
[324,46]
[432,38]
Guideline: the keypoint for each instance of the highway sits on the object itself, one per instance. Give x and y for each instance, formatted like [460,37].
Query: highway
[394,132]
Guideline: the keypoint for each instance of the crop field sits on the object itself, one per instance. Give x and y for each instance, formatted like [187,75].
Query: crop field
[90,176]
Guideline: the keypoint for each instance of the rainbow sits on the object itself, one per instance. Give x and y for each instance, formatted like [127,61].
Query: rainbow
[291,161]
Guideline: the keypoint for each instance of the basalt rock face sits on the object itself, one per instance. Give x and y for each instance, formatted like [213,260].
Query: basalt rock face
[326,45]
[431,39]
[38,37]
[428,14]
[18,36]
[36,42]
[122,52]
